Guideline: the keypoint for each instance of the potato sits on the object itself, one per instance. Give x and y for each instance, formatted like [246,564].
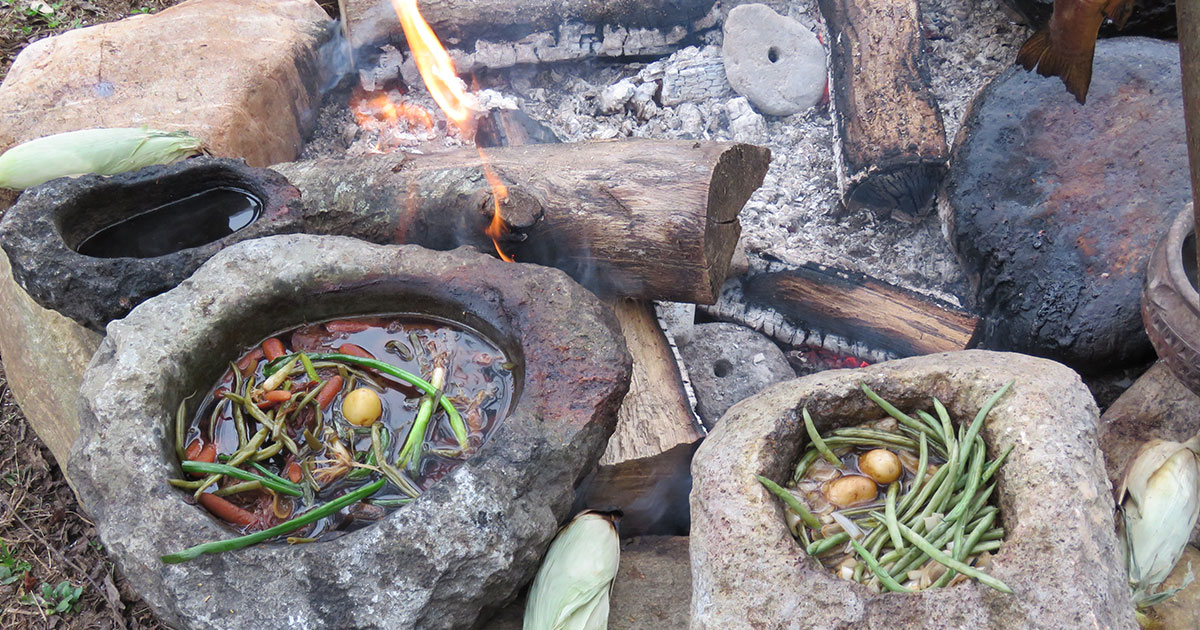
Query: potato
[881,465]
[362,407]
[850,490]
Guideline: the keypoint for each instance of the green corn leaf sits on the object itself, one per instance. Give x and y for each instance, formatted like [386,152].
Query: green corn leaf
[96,151]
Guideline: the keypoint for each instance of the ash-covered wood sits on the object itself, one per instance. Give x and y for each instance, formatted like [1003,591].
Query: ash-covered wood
[654,219]
[504,32]
[845,312]
[890,133]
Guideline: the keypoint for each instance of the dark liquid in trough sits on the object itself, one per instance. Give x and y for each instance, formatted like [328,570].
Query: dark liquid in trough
[196,220]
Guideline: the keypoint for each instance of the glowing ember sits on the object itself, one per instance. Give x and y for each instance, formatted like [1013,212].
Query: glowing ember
[391,116]
[437,70]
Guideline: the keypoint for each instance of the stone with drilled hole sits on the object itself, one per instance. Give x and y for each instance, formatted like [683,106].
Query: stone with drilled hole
[773,60]
[727,363]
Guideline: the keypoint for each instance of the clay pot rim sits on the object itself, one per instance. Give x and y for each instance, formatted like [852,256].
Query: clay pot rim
[147,442]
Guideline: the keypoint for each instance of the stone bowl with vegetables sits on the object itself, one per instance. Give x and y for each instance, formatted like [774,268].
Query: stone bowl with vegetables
[456,543]
[1006,523]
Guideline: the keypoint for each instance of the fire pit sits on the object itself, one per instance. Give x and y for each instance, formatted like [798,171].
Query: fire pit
[465,545]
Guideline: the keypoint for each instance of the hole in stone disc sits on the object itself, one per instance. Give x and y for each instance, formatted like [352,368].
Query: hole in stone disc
[772,54]
[198,219]
[722,368]
[1189,259]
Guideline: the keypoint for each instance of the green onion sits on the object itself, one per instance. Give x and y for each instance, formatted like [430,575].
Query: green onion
[218,546]
[277,484]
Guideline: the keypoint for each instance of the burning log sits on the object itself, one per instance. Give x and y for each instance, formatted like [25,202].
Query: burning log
[865,317]
[890,134]
[653,219]
[505,32]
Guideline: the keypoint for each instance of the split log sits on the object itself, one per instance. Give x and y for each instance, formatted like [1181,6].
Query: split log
[653,219]
[656,415]
[863,316]
[890,133]
[530,31]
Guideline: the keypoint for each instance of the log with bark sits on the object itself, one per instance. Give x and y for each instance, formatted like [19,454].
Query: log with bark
[654,219]
[890,134]
[845,312]
[528,31]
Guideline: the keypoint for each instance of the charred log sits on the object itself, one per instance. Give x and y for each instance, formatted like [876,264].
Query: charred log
[890,133]
[644,218]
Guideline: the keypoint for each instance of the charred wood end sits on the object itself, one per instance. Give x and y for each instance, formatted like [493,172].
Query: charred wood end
[903,191]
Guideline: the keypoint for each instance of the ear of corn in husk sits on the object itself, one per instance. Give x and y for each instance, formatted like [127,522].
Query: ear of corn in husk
[1159,503]
[572,587]
[93,151]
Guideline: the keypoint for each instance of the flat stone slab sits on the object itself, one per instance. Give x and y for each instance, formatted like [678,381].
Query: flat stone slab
[1060,553]
[1057,207]
[241,75]
[464,546]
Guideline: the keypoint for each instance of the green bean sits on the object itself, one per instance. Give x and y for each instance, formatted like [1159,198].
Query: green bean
[267,453]
[279,484]
[884,579]
[390,503]
[922,497]
[372,459]
[995,465]
[395,476]
[181,429]
[791,502]
[816,440]
[456,422]
[240,456]
[950,562]
[973,478]
[802,466]
[312,442]
[239,419]
[885,437]
[963,547]
[900,416]
[283,528]
[890,515]
[308,368]
[826,545]
[267,473]
[397,346]
[977,423]
[245,486]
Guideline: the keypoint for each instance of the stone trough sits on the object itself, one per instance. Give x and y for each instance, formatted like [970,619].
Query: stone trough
[1060,554]
[461,549]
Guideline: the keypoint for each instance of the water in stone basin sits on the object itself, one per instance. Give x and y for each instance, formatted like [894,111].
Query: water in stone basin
[329,453]
[195,220]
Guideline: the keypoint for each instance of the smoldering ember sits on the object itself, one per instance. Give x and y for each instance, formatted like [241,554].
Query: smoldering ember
[645,314]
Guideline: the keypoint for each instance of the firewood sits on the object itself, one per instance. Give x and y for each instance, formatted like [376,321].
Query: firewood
[890,134]
[656,415]
[868,318]
[654,219]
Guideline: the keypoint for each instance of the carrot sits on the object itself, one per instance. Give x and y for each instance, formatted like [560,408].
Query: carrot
[274,397]
[198,451]
[273,349]
[193,449]
[227,511]
[354,351]
[248,363]
[346,326]
[292,471]
[330,391]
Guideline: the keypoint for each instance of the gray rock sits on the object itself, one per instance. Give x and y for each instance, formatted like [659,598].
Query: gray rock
[614,97]
[465,545]
[1056,208]
[728,363]
[773,60]
[745,124]
[40,232]
[1060,555]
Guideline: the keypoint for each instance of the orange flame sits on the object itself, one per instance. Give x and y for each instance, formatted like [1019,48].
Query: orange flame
[437,70]
[434,63]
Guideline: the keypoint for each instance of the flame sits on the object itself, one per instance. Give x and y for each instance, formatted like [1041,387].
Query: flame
[434,63]
[437,70]
[380,110]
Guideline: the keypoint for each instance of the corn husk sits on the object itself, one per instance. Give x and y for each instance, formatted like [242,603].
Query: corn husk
[572,586]
[93,151]
[1159,502]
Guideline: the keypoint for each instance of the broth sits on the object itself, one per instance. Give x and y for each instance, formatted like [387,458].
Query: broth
[331,453]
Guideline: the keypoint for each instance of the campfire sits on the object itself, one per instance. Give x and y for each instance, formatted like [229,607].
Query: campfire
[656,172]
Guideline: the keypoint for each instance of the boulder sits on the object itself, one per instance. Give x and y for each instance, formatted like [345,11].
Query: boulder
[44,358]
[239,74]
[465,545]
[1157,406]
[1060,554]
[1056,207]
